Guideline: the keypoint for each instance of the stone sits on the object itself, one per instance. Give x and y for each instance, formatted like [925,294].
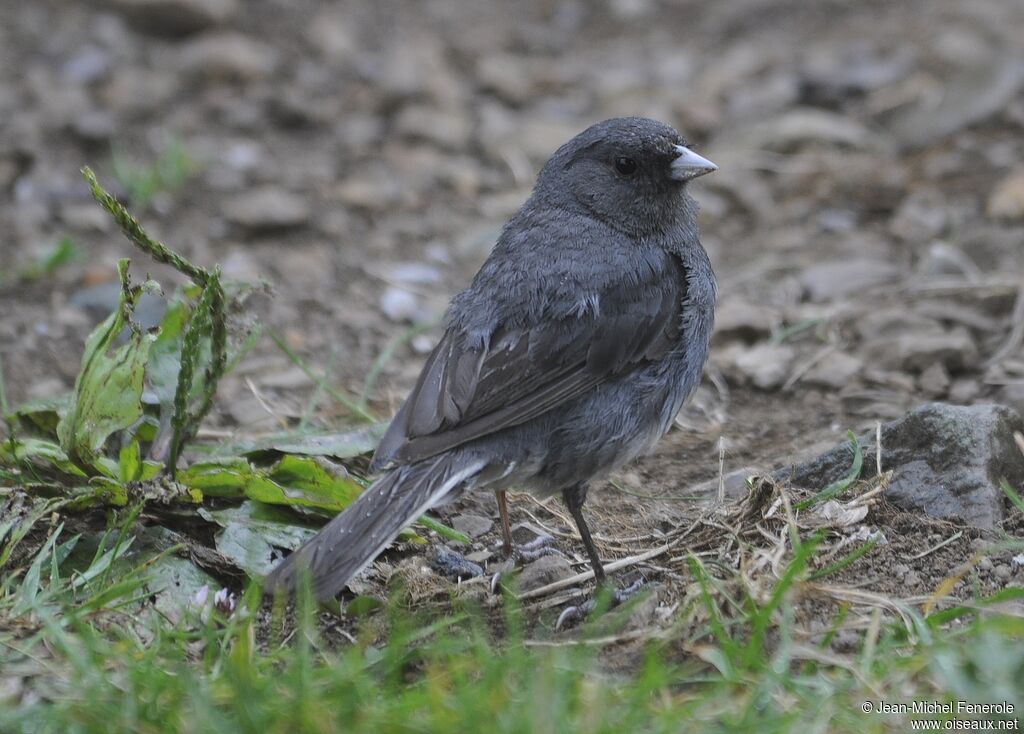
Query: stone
[738,319]
[1006,202]
[734,484]
[964,391]
[920,217]
[835,370]
[446,128]
[935,380]
[411,272]
[536,137]
[827,281]
[834,74]
[472,525]
[228,56]
[765,365]
[801,126]
[947,462]
[93,126]
[371,189]
[399,305]
[545,570]
[175,17]
[503,74]
[453,565]
[954,349]
[329,34]
[268,208]
[977,92]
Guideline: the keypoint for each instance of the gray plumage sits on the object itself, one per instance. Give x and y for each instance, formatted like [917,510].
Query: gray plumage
[569,355]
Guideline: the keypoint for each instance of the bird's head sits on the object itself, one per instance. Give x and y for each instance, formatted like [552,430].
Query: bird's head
[630,172]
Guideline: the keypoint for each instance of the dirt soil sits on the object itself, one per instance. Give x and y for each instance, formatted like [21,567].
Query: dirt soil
[867,223]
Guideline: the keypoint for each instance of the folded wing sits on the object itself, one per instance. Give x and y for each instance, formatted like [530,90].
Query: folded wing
[468,390]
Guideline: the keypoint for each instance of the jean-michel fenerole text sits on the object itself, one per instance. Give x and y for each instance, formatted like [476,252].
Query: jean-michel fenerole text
[943,707]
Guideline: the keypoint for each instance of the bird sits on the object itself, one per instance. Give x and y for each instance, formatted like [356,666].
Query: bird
[568,355]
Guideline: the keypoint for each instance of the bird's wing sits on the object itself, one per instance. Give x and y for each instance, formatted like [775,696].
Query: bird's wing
[468,390]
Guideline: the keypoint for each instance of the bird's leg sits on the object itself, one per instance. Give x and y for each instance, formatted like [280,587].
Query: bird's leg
[506,528]
[517,554]
[531,551]
[574,498]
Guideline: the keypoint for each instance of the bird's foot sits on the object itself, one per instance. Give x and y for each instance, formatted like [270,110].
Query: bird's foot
[577,613]
[520,554]
[542,545]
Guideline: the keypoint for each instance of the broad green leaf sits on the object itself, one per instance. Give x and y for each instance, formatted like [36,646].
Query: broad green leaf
[108,390]
[39,453]
[107,467]
[100,492]
[219,477]
[318,486]
[130,462]
[165,355]
[344,445]
[42,414]
[174,582]
[252,530]
[149,470]
[295,480]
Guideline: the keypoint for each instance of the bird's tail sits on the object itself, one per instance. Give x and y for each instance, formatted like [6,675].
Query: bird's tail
[349,542]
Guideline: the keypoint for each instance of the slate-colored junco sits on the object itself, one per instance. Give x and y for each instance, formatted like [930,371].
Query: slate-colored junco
[569,355]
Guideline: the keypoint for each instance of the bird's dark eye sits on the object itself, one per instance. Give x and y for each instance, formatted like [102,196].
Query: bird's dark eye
[625,166]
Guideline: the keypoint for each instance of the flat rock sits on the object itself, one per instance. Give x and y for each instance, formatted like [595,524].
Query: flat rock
[447,128]
[399,305]
[472,525]
[935,380]
[947,462]
[801,126]
[765,365]
[372,188]
[545,570]
[834,370]
[331,34]
[954,349]
[504,75]
[978,91]
[738,319]
[229,56]
[835,73]
[827,281]
[175,17]
[266,209]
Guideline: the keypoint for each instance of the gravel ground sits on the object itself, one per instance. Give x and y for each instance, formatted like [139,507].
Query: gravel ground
[867,223]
